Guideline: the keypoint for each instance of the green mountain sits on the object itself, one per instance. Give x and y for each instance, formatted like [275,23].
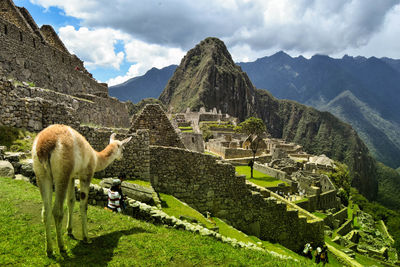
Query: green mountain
[148,85]
[207,76]
[363,92]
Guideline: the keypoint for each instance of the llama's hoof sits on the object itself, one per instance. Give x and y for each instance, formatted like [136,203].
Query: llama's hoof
[70,235]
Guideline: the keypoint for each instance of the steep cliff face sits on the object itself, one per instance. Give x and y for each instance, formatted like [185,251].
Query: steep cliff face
[319,133]
[208,77]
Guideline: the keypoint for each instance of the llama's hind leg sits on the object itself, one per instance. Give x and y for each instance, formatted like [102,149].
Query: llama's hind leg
[70,204]
[58,213]
[84,196]
[46,191]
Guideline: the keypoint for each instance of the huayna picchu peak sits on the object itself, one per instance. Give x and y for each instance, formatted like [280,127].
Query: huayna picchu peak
[208,77]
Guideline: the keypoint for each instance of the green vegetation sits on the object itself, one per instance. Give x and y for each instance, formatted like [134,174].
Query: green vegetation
[186,129]
[300,200]
[117,240]
[341,178]
[388,186]
[319,214]
[18,140]
[361,259]
[259,178]
[379,212]
[211,153]
[175,207]
[227,230]
[254,127]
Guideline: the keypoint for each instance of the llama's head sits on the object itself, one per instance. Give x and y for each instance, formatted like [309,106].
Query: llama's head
[119,145]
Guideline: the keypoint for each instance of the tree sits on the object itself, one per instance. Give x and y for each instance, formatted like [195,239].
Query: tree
[254,127]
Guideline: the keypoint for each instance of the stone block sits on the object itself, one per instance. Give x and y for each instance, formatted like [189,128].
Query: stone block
[6,169]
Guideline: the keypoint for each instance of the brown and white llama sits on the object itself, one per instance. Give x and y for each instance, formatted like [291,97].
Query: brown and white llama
[60,154]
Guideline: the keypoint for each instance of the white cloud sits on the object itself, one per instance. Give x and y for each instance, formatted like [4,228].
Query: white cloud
[303,25]
[155,33]
[95,47]
[146,56]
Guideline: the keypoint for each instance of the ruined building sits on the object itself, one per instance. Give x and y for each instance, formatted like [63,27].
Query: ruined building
[57,84]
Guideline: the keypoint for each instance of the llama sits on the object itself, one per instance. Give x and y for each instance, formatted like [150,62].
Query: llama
[60,154]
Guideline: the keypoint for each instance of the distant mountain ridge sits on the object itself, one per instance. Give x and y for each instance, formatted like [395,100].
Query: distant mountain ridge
[363,92]
[208,77]
[148,85]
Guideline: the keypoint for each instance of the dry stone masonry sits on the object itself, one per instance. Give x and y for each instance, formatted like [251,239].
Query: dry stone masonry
[212,186]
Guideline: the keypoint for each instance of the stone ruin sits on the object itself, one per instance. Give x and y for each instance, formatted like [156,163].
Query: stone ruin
[41,83]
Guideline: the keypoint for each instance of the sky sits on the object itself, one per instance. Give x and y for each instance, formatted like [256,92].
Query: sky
[122,39]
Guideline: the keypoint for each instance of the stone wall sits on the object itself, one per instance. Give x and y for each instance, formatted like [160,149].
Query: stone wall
[210,185]
[324,201]
[230,153]
[135,163]
[154,119]
[26,57]
[33,114]
[281,175]
[345,228]
[193,141]
[34,108]
[341,215]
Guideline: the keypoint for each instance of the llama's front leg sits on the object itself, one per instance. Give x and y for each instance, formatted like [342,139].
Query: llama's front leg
[58,213]
[84,195]
[70,204]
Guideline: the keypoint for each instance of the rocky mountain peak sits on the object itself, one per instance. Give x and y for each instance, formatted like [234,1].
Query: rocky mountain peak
[208,77]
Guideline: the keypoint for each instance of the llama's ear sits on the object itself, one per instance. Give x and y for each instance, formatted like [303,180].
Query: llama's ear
[112,137]
[126,140]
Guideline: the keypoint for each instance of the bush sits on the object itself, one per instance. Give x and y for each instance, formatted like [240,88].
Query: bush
[15,139]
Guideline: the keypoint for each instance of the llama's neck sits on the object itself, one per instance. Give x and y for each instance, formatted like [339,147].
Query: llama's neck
[106,157]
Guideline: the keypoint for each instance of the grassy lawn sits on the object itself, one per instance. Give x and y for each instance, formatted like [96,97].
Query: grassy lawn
[259,178]
[117,240]
[175,207]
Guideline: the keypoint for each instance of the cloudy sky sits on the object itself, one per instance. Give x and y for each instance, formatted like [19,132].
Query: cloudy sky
[121,39]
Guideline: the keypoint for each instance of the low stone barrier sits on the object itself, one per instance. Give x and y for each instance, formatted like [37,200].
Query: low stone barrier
[345,228]
[135,191]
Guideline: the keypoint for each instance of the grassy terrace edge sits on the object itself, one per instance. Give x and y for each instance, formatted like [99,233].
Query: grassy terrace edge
[117,239]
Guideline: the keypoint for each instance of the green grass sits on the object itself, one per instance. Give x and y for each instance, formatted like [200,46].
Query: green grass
[319,214]
[118,240]
[175,207]
[186,129]
[300,200]
[259,178]
[227,230]
[351,214]
[212,154]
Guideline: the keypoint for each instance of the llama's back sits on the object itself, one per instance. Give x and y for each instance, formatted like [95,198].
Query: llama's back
[46,141]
